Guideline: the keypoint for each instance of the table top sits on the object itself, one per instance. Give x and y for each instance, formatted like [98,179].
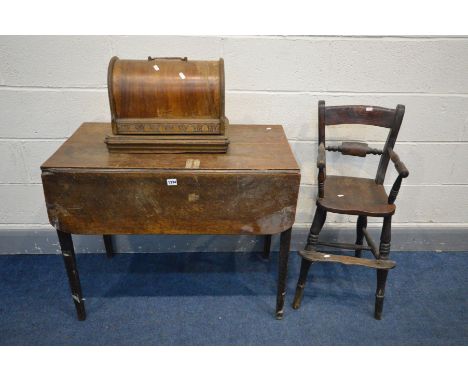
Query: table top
[251,148]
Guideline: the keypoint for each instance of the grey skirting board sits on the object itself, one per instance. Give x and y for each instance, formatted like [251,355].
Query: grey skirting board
[44,241]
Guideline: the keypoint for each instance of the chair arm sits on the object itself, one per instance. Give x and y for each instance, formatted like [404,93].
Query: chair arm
[402,173]
[321,162]
[399,165]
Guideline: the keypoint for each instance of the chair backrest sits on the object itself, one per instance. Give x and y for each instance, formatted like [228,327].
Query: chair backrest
[363,115]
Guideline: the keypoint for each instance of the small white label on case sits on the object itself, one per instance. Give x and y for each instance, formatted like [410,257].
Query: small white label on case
[171,182]
[268,128]
[369,108]
[326,255]
[340,195]
[156,67]
[182,75]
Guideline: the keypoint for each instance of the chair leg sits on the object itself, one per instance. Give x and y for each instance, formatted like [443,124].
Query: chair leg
[384,251]
[266,246]
[108,245]
[68,252]
[379,294]
[305,265]
[361,223]
[316,227]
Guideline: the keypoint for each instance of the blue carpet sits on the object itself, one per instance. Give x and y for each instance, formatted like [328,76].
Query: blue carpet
[229,299]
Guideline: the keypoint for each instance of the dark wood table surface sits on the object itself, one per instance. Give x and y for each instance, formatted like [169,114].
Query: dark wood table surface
[252,189]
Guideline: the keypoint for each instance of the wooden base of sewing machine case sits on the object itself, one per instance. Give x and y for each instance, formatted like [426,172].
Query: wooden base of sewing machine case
[167,144]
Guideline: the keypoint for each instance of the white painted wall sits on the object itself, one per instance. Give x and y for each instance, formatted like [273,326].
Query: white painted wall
[49,85]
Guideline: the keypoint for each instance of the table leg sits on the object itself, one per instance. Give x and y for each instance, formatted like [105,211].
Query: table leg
[68,252]
[285,242]
[108,245]
[266,246]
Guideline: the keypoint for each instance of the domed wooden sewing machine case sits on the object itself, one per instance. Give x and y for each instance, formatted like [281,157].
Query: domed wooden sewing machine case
[168,105]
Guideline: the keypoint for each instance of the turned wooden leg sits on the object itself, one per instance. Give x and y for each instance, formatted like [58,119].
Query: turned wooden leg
[316,227]
[266,246]
[379,294]
[361,223]
[68,252]
[108,245]
[285,242]
[384,251]
[305,265]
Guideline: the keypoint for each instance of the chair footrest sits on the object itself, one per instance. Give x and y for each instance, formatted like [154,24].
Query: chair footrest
[315,256]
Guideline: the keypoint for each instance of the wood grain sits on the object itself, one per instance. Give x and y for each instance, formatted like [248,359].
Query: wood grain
[253,147]
[156,95]
[159,144]
[252,189]
[315,256]
[359,114]
[355,196]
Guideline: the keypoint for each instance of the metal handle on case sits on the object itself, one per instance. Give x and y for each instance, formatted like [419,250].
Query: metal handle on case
[167,58]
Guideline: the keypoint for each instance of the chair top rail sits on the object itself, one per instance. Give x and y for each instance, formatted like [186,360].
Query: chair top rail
[359,114]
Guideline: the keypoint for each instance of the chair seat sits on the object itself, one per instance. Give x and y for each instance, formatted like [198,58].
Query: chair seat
[355,196]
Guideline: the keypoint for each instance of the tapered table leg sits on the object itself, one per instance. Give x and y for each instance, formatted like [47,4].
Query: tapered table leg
[68,253]
[108,245]
[266,246]
[285,242]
